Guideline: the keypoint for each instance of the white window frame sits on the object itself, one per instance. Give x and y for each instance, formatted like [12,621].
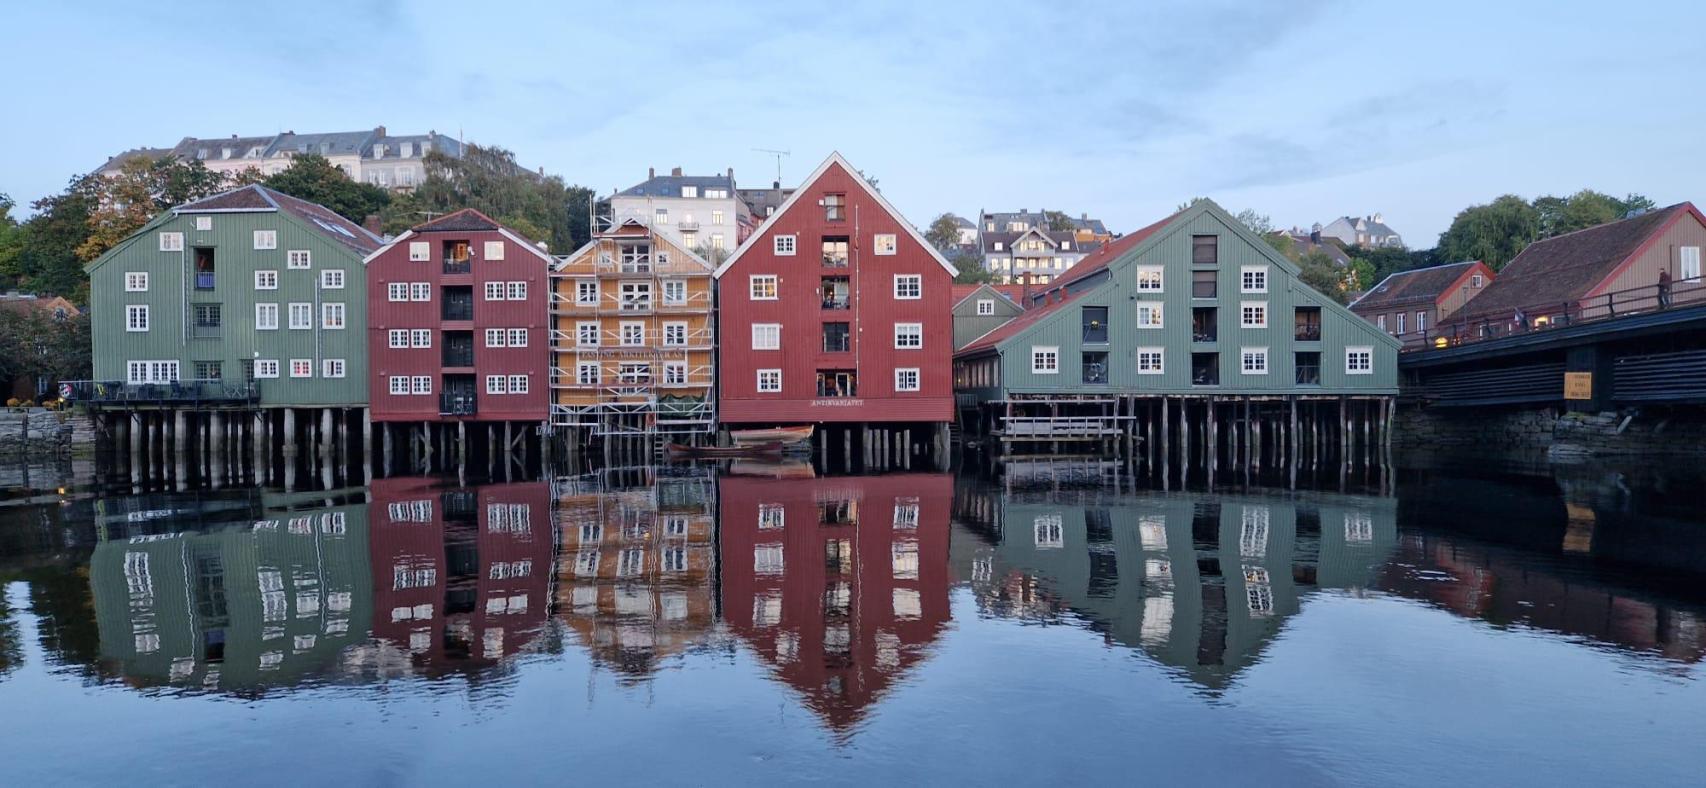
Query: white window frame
[1155,310]
[1151,279]
[1422,322]
[420,251]
[266,239]
[769,381]
[303,310]
[902,373]
[333,316]
[266,368]
[136,281]
[766,336]
[754,289]
[679,285]
[398,385]
[1688,262]
[914,331]
[151,371]
[582,333]
[1049,352]
[634,328]
[518,384]
[784,245]
[516,291]
[1476,280]
[1160,365]
[492,250]
[493,291]
[171,242]
[885,245]
[331,279]
[397,292]
[1244,317]
[397,338]
[1400,322]
[675,373]
[333,368]
[497,384]
[264,311]
[518,337]
[677,327]
[303,365]
[299,259]
[586,292]
[1253,279]
[420,291]
[136,318]
[985,307]
[1245,354]
[496,337]
[1366,352]
[908,287]
[420,338]
[421,384]
[203,224]
[584,379]
[266,279]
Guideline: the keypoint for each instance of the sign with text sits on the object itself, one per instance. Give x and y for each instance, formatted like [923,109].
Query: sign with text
[1578,385]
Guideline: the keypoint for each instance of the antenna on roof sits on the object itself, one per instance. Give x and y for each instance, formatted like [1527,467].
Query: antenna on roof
[778,154]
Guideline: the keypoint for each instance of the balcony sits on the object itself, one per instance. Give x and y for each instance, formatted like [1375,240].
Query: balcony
[458,349]
[458,403]
[204,280]
[687,226]
[182,391]
[453,267]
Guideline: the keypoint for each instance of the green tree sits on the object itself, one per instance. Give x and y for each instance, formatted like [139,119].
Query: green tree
[970,268]
[1257,222]
[1492,233]
[11,242]
[312,177]
[1584,209]
[47,261]
[1058,221]
[944,232]
[489,180]
[713,255]
[1320,272]
[1281,243]
[1360,276]
[139,191]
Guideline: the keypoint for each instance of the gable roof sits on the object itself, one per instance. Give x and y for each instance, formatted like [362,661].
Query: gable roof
[1415,286]
[670,185]
[1571,266]
[256,198]
[836,158]
[1010,292]
[1110,251]
[466,220]
[1012,327]
[628,229]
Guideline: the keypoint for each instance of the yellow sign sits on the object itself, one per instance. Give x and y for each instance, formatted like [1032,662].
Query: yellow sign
[1578,385]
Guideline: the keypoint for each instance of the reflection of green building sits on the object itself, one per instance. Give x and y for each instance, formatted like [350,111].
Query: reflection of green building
[238,607]
[1197,582]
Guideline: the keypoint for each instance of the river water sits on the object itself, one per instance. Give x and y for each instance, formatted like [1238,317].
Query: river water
[1444,624]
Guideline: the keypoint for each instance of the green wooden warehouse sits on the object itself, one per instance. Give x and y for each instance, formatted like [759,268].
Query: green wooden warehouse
[1187,334]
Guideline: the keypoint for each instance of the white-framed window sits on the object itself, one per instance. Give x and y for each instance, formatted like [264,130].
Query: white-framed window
[494,250]
[420,337]
[1150,278]
[782,245]
[997,246]
[766,336]
[266,280]
[517,291]
[1045,360]
[332,279]
[761,287]
[674,373]
[586,333]
[301,315]
[171,242]
[1253,314]
[151,371]
[518,337]
[136,317]
[497,384]
[266,239]
[266,317]
[302,367]
[420,291]
[397,338]
[716,217]
[906,379]
[1400,318]
[884,244]
[1151,360]
[332,315]
[299,258]
[586,292]
[660,217]
[397,291]
[588,373]
[1149,315]
[908,287]
[495,337]
[494,291]
[1380,322]
[985,307]
[908,336]
[769,381]
[674,334]
[1476,281]
[332,368]
[1253,360]
[690,191]
[674,291]
[717,241]
[1421,322]
[136,281]
[398,384]
[631,333]
[1359,360]
[266,368]
[420,251]
[421,384]
[1688,262]
[518,384]
[203,224]
[1253,279]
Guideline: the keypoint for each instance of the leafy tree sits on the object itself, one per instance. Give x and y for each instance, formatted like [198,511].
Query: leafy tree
[36,344]
[1492,233]
[1257,222]
[1584,209]
[970,268]
[1360,276]
[1320,272]
[1188,203]
[714,256]
[944,232]
[1281,243]
[490,181]
[1058,221]
[47,261]
[11,241]
[312,177]
[138,192]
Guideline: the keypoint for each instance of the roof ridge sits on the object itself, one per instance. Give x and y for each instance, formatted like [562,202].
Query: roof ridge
[1643,215]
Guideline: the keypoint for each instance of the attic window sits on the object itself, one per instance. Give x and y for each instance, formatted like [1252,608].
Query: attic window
[834,207]
[1474,281]
[1205,250]
[406,150]
[379,151]
[690,191]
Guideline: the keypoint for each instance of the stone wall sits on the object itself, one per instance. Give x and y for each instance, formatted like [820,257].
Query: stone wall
[38,431]
[1507,432]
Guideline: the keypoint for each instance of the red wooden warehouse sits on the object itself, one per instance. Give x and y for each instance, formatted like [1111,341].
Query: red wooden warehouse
[457,311]
[836,312]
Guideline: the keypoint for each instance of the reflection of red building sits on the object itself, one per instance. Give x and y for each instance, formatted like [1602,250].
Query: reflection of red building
[461,576]
[840,583]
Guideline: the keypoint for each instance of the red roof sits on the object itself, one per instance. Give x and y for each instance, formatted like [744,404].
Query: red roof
[1099,259]
[1013,293]
[1014,326]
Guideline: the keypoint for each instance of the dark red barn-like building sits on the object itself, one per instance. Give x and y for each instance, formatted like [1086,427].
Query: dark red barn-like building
[836,311]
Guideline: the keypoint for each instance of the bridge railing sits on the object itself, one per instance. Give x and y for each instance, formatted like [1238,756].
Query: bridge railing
[1543,316]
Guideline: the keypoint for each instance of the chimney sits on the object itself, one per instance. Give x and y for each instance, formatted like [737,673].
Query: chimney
[379,131]
[651,172]
[1025,295]
[1315,235]
[371,223]
[731,174]
[777,185]
[676,172]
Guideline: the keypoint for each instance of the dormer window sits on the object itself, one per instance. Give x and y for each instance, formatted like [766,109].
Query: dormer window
[379,151]
[1475,281]
[225,153]
[406,150]
[690,191]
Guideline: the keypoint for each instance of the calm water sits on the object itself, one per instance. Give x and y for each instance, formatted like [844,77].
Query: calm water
[1538,626]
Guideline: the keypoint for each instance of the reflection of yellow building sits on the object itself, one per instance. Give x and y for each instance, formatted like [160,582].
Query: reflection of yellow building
[637,568]
[632,335]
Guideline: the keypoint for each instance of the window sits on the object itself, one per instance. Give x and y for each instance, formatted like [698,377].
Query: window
[332,315]
[837,337]
[1253,279]
[783,245]
[266,280]
[1253,314]
[420,291]
[1150,361]
[397,291]
[299,258]
[674,373]
[1307,364]
[494,291]
[493,250]
[397,338]
[634,296]
[497,384]
[1306,324]
[136,318]
[660,217]
[495,337]
[518,291]
[834,207]
[908,286]
[136,281]
[908,336]
[266,368]
[1045,360]
[1205,250]
[885,244]
[1421,322]
[420,251]
[152,371]
[997,246]
[266,239]
[1255,360]
[332,368]
[1205,284]
[332,279]
[302,367]
[398,384]
[1093,324]
[1475,281]
[1688,262]
[586,292]
[985,307]
[769,380]
[518,384]
[835,251]
[1380,320]
[266,317]
[420,337]
[518,337]
[674,334]
[171,242]
[587,373]
[762,287]
[632,334]
[209,370]
[1149,278]
[586,333]
[1399,317]
[690,191]
[766,336]
[207,316]
[906,379]
[203,224]
[716,217]
[301,316]
[1149,315]
[421,384]
[1359,360]
[674,291]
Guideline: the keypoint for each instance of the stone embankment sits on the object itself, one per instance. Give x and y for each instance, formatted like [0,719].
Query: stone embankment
[45,432]
[1627,432]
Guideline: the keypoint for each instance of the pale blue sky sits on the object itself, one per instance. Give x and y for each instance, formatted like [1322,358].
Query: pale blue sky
[1304,110]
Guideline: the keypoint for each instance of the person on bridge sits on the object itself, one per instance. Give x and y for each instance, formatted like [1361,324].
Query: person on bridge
[1664,288]
[1521,320]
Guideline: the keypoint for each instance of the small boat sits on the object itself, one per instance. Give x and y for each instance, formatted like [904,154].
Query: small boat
[754,450]
[772,468]
[782,435]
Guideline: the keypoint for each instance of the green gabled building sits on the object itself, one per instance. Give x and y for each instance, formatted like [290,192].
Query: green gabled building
[244,307]
[1193,313]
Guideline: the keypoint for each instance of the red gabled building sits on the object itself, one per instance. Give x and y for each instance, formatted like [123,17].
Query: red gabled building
[835,311]
[457,311]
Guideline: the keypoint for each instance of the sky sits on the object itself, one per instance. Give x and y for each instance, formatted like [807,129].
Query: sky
[1304,110]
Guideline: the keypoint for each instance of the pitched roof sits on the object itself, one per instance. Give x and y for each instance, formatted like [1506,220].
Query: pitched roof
[256,198]
[1010,292]
[466,220]
[1416,286]
[1099,259]
[1012,327]
[1570,266]
[759,201]
[334,143]
[670,185]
